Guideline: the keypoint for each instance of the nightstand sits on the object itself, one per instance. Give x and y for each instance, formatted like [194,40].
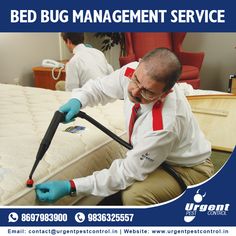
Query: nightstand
[43,77]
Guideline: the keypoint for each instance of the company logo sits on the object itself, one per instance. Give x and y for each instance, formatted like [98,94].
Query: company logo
[210,209]
[146,156]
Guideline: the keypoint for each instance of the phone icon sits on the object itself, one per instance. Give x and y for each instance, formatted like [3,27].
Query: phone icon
[80,217]
[13,217]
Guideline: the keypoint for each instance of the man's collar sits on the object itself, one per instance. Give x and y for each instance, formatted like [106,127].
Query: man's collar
[78,48]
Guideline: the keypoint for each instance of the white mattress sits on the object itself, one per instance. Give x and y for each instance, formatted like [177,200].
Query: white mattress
[25,114]
[188,90]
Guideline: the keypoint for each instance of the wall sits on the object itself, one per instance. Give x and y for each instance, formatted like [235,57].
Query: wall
[22,51]
[220,57]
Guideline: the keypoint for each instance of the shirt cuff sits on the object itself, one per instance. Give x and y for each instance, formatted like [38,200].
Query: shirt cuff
[84,185]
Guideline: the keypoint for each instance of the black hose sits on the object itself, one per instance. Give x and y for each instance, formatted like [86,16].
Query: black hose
[83,115]
[175,175]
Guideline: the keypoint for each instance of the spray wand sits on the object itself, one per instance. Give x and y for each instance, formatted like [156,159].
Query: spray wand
[46,141]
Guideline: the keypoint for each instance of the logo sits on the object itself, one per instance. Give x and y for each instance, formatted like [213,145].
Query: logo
[197,207]
[80,217]
[146,156]
[13,217]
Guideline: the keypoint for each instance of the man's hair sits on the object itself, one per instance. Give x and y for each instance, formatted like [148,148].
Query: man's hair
[163,65]
[75,38]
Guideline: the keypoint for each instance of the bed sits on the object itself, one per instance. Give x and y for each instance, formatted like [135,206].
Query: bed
[24,118]
[216,116]
[26,112]
[215,112]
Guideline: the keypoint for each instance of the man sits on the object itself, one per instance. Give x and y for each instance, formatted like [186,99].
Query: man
[164,130]
[87,63]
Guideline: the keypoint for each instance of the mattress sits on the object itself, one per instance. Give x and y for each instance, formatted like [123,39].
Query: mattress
[25,114]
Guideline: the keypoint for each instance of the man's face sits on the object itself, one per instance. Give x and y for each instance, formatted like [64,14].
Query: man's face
[143,89]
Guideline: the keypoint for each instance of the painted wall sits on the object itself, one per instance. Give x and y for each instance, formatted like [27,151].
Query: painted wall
[220,57]
[22,51]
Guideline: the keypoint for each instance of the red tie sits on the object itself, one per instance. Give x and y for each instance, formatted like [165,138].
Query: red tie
[133,119]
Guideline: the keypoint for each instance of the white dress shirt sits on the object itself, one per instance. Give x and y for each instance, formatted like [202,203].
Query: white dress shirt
[87,63]
[179,141]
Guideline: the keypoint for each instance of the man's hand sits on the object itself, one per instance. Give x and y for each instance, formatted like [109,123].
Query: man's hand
[71,109]
[53,190]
